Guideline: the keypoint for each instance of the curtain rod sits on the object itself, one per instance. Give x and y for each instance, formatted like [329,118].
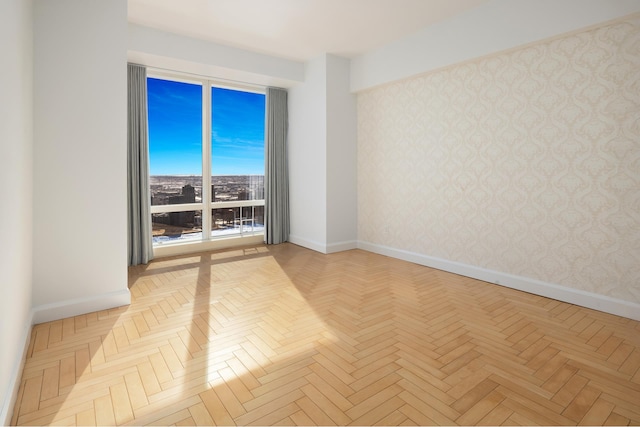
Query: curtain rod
[203,76]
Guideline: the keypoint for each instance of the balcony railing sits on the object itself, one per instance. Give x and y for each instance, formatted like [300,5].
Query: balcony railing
[183,223]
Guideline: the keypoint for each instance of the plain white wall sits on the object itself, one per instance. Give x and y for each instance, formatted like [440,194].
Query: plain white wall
[80,196]
[307,157]
[342,229]
[322,157]
[492,27]
[160,49]
[16,191]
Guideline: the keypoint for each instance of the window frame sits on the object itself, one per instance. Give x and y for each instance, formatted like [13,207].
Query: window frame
[206,205]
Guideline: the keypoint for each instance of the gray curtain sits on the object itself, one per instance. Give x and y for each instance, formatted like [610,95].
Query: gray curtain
[276,168]
[138,194]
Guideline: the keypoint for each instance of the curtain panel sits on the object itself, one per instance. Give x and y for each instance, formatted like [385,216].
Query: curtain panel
[276,168]
[140,245]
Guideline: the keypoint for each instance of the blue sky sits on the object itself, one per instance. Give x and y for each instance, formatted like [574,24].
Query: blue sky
[175,130]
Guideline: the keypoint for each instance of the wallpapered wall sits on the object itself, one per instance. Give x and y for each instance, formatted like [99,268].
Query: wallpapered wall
[526,162]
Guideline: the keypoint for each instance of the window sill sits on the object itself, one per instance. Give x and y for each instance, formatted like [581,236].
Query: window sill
[188,247]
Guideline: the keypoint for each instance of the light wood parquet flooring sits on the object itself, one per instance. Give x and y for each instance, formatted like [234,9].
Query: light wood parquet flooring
[281,335]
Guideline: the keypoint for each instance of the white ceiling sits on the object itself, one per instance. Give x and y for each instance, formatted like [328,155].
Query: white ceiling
[296,29]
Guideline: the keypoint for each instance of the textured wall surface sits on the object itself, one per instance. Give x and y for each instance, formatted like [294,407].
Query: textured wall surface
[525,162]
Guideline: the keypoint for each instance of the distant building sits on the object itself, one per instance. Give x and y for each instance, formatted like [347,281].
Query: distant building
[183,219]
[259,192]
[188,196]
[243,194]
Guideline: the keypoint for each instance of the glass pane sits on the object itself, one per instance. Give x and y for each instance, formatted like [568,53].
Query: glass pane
[258,218]
[174,190]
[245,220]
[176,226]
[175,141]
[225,188]
[237,145]
[224,222]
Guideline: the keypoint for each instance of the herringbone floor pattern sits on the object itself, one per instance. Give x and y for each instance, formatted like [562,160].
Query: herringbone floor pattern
[283,335]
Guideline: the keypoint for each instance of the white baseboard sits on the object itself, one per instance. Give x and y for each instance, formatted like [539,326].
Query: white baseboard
[561,293]
[78,306]
[11,395]
[341,246]
[309,244]
[322,247]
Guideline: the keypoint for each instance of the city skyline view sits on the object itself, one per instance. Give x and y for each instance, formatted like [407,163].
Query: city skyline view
[185,224]
[175,130]
[223,188]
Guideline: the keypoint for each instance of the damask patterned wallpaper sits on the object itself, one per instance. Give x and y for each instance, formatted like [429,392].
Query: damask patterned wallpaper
[526,162]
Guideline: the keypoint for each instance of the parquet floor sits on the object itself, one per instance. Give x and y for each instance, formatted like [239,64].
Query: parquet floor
[284,335]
